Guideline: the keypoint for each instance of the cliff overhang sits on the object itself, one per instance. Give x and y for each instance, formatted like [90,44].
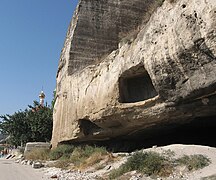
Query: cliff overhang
[130,67]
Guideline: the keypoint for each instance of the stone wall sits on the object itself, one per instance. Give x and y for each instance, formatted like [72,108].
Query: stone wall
[175,53]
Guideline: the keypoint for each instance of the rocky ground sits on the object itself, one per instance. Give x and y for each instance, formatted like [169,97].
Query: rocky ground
[207,173]
[101,170]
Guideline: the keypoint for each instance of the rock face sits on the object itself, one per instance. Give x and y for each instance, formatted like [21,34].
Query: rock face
[36,145]
[132,66]
[97,27]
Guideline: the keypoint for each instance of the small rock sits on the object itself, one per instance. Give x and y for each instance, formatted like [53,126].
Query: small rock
[24,162]
[29,163]
[54,176]
[17,161]
[36,165]
[20,156]
[108,167]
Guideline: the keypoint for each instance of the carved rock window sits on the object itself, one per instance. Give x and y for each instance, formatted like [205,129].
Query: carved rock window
[135,85]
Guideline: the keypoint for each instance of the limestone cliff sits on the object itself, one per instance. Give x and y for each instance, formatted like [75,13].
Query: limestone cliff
[130,66]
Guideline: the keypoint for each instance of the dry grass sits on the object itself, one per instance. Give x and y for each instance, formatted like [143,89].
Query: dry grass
[155,164]
[92,160]
[149,163]
[38,154]
[193,162]
[63,164]
[62,151]
[172,1]
[80,157]
[85,156]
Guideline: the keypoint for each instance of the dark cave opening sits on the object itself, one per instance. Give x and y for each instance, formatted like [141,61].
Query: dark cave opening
[87,127]
[200,131]
[135,85]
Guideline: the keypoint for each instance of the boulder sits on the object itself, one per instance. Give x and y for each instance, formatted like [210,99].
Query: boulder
[36,145]
[37,165]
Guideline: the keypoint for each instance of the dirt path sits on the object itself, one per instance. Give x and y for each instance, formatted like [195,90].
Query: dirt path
[9,170]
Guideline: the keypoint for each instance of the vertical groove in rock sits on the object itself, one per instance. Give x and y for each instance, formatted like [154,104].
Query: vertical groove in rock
[100,26]
[125,69]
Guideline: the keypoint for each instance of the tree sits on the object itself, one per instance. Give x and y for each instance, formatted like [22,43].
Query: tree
[16,126]
[40,119]
[32,124]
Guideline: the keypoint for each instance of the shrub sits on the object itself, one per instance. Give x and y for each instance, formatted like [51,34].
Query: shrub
[63,164]
[62,151]
[1,148]
[37,154]
[95,158]
[81,154]
[21,149]
[150,163]
[193,162]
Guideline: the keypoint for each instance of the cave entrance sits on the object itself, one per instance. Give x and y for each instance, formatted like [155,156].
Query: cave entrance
[200,131]
[87,127]
[135,85]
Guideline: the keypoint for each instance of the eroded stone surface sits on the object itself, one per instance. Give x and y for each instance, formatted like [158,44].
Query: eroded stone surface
[175,51]
[36,145]
[97,26]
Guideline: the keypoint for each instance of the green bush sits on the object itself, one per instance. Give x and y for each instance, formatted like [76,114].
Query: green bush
[78,156]
[193,162]
[81,153]
[154,164]
[21,149]
[149,163]
[1,148]
[62,151]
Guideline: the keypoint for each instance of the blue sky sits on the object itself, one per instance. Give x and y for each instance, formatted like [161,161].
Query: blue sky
[32,33]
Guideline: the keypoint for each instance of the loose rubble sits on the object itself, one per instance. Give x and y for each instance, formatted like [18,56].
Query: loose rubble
[92,173]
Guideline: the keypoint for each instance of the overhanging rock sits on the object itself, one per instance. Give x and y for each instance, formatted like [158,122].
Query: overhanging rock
[127,66]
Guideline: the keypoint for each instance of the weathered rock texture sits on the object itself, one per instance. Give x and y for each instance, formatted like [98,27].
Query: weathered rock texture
[36,145]
[130,66]
[98,26]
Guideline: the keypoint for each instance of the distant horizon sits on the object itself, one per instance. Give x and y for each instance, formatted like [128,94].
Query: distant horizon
[32,35]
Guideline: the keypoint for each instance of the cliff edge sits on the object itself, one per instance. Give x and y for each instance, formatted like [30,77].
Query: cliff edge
[129,67]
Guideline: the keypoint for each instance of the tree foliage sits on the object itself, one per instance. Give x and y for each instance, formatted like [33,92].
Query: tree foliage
[32,124]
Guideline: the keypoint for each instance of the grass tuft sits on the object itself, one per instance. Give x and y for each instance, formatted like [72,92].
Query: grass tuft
[37,154]
[149,163]
[154,164]
[62,151]
[63,164]
[79,157]
[194,162]
[87,154]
